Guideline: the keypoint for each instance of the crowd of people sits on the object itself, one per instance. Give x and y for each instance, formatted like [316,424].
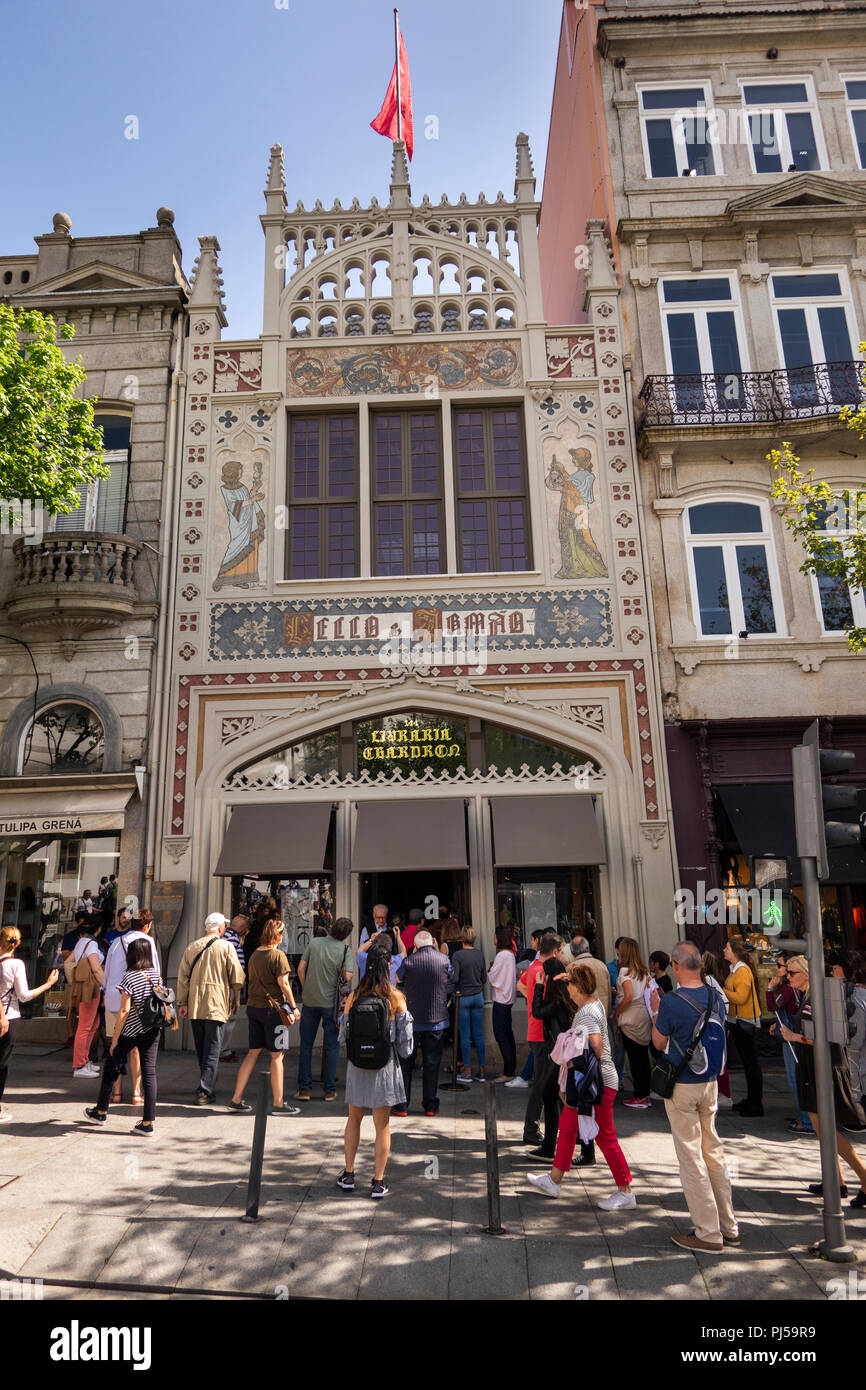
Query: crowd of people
[422,983]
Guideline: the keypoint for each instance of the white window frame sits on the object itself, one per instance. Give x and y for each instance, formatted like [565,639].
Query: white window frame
[701,308]
[728,541]
[811,304]
[853,104]
[669,113]
[857,596]
[810,106]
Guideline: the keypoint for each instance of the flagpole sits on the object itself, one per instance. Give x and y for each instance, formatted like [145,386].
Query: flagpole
[397,70]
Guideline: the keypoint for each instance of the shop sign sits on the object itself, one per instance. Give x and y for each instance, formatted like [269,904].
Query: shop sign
[410,744]
[60,825]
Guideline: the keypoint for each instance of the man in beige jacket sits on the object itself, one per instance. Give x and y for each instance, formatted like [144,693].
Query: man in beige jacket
[209,984]
[579,950]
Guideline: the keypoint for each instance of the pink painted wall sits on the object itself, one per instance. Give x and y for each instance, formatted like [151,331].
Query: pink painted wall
[577,179]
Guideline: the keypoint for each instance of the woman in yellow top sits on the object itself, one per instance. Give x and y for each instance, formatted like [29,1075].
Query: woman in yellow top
[744,1020]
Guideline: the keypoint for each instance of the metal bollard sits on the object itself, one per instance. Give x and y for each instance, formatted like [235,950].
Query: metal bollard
[254,1186]
[452,1084]
[491,1144]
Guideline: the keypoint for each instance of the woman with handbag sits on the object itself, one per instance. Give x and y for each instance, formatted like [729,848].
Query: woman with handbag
[552,1003]
[632,1018]
[744,1020]
[131,1032]
[847,1109]
[271,1011]
[590,1015]
[13,991]
[85,992]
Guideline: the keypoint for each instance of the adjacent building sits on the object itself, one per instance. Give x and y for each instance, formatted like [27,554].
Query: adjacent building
[81,594]
[411,652]
[723,146]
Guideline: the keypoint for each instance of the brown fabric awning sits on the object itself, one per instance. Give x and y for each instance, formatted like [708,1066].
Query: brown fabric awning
[282,839]
[410,835]
[545,832]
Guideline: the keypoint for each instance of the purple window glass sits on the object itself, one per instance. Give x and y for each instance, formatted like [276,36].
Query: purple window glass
[511,525]
[424,449]
[341,542]
[389,540]
[388,455]
[470,451]
[506,451]
[341,456]
[476,542]
[305,458]
[425,538]
[304,543]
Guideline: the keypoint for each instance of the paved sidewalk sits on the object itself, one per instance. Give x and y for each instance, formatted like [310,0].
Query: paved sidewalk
[104,1207]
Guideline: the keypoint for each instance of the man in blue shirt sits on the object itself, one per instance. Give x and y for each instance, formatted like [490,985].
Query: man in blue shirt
[691,1110]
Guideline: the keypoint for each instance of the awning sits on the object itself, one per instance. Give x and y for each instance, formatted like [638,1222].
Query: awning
[762,819]
[269,839]
[409,836]
[545,831]
[69,811]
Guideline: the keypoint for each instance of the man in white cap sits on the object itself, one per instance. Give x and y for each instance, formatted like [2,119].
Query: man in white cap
[209,984]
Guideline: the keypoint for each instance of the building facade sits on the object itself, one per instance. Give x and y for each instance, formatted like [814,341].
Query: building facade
[724,147]
[411,657]
[81,594]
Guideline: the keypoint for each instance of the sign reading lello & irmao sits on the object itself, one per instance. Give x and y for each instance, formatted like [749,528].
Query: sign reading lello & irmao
[305,628]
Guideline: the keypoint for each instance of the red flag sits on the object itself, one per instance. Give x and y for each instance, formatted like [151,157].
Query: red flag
[386,121]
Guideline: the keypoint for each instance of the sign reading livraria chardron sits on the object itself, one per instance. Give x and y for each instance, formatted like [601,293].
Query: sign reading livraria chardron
[513,622]
[415,740]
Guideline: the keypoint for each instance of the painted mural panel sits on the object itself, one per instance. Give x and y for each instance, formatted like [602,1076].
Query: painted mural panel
[574,511]
[404,369]
[240,518]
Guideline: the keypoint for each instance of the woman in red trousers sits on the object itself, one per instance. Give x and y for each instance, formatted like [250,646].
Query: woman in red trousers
[591,1015]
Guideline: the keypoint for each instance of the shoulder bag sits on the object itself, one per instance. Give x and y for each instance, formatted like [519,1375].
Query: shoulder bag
[342,989]
[84,986]
[663,1074]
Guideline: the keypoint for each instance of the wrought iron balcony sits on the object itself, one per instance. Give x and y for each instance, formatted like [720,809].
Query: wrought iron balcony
[72,582]
[745,398]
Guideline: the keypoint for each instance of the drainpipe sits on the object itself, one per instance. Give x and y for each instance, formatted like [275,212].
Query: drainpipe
[162,694]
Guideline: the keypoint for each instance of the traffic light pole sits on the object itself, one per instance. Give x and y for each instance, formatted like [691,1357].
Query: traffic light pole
[834,1246]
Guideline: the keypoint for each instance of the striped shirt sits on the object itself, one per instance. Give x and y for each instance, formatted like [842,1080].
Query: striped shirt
[137,984]
[231,936]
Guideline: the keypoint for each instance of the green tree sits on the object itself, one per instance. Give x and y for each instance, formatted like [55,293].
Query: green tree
[829,524]
[49,445]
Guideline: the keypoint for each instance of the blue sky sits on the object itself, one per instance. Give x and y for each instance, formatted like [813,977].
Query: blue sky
[214,84]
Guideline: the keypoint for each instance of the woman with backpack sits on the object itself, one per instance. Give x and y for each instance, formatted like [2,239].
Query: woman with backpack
[130,1032]
[376,1027]
[632,1018]
[590,1014]
[744,1021]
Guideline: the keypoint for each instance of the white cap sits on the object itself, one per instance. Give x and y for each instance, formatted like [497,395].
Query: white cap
[214,920]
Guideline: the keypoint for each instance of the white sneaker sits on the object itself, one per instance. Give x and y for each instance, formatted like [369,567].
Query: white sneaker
[544,1182]
[86,1071]
[618,1201]
[725,1103]
[518,1083]
[464,1080]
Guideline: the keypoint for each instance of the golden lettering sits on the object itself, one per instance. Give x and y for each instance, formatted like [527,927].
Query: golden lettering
[414,752]
[380,753]
[367,755]
[441,750]
[400,736]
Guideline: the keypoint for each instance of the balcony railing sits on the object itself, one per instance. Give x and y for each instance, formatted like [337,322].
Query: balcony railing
[73,582]
[745,398]
[76,557]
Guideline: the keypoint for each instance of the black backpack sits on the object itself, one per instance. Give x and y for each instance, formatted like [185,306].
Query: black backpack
[368,1033]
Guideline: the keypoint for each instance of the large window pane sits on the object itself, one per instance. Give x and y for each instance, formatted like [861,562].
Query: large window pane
[426,558]
[662,154]
[388,454]
[723,518]
[699,151]
[765,142]
[408,465]
[341,457]
[511,525]
[713,604]
[111,499]
[696,291]
[685,360]
[806,286]
[389,540]
[804,147]
[491,490]
[507,452]
[304,543]
[65,739]
[471,473]
[673,98]
[835,602]
[424,436]
[858,119]
[305,458]
[341,542]
[775,92]
[722,329]
[323,475]
[475,539]
[755,588]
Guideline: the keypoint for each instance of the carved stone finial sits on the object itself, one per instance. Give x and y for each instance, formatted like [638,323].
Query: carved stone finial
[164,217]
[525,168]
[61,222]
[207,282]
[400,188]
[600,273]
[276,171]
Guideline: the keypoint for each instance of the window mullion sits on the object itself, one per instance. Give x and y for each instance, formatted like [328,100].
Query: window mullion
[363,495]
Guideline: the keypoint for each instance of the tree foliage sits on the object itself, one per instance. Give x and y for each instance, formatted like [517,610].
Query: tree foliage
[829,523]
[49,445]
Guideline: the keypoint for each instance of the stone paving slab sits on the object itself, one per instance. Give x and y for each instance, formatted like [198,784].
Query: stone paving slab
[100,1205]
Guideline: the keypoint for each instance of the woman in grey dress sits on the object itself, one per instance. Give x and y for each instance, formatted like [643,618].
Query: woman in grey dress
[375,1090]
